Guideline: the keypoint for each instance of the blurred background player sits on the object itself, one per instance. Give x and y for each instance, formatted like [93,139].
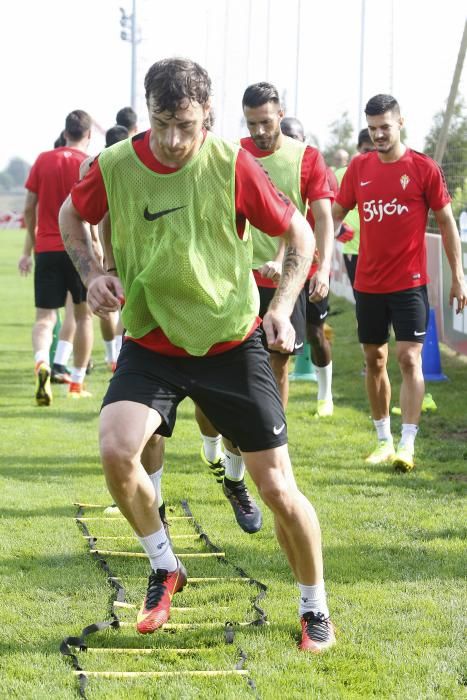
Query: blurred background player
[111,327]
[349,232]
[49,183]
[127,117]
[316,311]
[340,159]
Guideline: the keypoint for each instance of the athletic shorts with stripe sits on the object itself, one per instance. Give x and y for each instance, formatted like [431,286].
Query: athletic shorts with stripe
[407,311]
[236,390]
[297,318]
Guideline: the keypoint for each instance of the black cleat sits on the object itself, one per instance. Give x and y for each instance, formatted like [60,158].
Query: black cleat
[60,374]
[247,513]
[216,468]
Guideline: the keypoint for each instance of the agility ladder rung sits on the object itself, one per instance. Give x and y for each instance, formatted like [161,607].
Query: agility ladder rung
[192,625]
[118,518]
[194,538]
[152,650]
[194,579]
[158,674]
[142,555]
[132,606]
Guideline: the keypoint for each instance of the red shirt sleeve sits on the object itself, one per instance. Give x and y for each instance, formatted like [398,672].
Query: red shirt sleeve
[257,200]
[314,177]
[32,182]
[315,182]
[346,196]
[89,196]
[436,191]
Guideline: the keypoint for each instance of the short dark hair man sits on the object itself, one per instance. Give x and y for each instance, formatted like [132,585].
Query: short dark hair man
[179,198]
[127,117]
[394,187]
[49,183]
[115,134]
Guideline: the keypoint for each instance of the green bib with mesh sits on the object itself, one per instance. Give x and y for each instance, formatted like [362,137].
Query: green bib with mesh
[284,168]
[183,267]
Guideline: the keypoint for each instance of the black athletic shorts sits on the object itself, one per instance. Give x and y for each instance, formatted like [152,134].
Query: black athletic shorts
[407,311]
[297,318]
[236,390]
[54,276]
[350,262]
[316,311]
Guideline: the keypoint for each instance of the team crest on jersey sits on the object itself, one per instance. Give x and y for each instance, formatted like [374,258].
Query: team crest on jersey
[405,179]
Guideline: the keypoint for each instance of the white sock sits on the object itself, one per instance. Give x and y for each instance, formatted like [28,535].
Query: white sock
[409,433]
[63,352]
[156,479]
[159,551]
[234,466]
[110,353]
[42,356]
[313,599]
[383,428]
[212,447]
[118,344]
[78,374]
[324,377]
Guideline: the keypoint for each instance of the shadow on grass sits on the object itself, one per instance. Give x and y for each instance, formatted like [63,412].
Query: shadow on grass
[37,468]
[50,512]
[56,413]
[358,563]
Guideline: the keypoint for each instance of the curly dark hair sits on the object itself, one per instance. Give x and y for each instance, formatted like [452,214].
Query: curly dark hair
[174,80]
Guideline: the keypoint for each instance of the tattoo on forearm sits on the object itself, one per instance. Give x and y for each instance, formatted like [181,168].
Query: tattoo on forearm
[295,269]
[79,248]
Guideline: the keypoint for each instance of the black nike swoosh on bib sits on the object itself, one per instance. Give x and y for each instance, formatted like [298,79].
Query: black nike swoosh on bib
[157,215]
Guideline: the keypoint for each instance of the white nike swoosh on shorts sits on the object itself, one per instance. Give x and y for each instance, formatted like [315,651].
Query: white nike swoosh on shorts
[278,431]
[298,345]
[366,182]
[323,315]
[419,332]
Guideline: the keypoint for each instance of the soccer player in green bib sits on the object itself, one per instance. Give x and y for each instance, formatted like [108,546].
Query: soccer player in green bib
[179,199]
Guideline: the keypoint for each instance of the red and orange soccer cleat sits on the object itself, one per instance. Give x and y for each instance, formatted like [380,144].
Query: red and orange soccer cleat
[162,586]
[77,391]
[317,632]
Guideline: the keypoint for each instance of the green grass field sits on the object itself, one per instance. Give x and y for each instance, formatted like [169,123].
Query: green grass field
[394,544]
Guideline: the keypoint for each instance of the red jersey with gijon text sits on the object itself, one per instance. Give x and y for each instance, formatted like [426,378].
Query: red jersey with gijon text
[51,178]
[393,201]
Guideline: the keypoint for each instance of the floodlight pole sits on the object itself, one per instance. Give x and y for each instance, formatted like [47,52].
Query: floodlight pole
[362,63]
[297,59]
[133,56]
[443,136]
[128,22]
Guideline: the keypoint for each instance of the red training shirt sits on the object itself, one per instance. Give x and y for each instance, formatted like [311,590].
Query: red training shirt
[51,178]
[314,184]
[256,199]
[393,202]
